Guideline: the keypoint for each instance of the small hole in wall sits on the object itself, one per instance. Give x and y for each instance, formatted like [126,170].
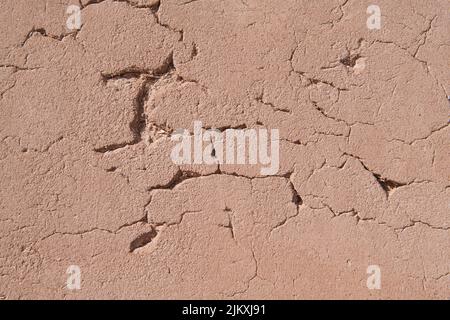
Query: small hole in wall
[143,239]
[350,60]
[155,8]
[297,200]
[386,184]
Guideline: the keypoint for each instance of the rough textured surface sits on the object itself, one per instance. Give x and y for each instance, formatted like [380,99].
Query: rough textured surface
[85,171]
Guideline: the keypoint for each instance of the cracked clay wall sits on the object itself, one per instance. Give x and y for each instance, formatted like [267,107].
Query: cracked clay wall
[92,204]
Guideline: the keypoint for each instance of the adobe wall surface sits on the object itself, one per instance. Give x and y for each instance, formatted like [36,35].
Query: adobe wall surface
[87,118]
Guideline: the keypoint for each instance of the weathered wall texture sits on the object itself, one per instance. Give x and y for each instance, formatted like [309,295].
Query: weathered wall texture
[86,176]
